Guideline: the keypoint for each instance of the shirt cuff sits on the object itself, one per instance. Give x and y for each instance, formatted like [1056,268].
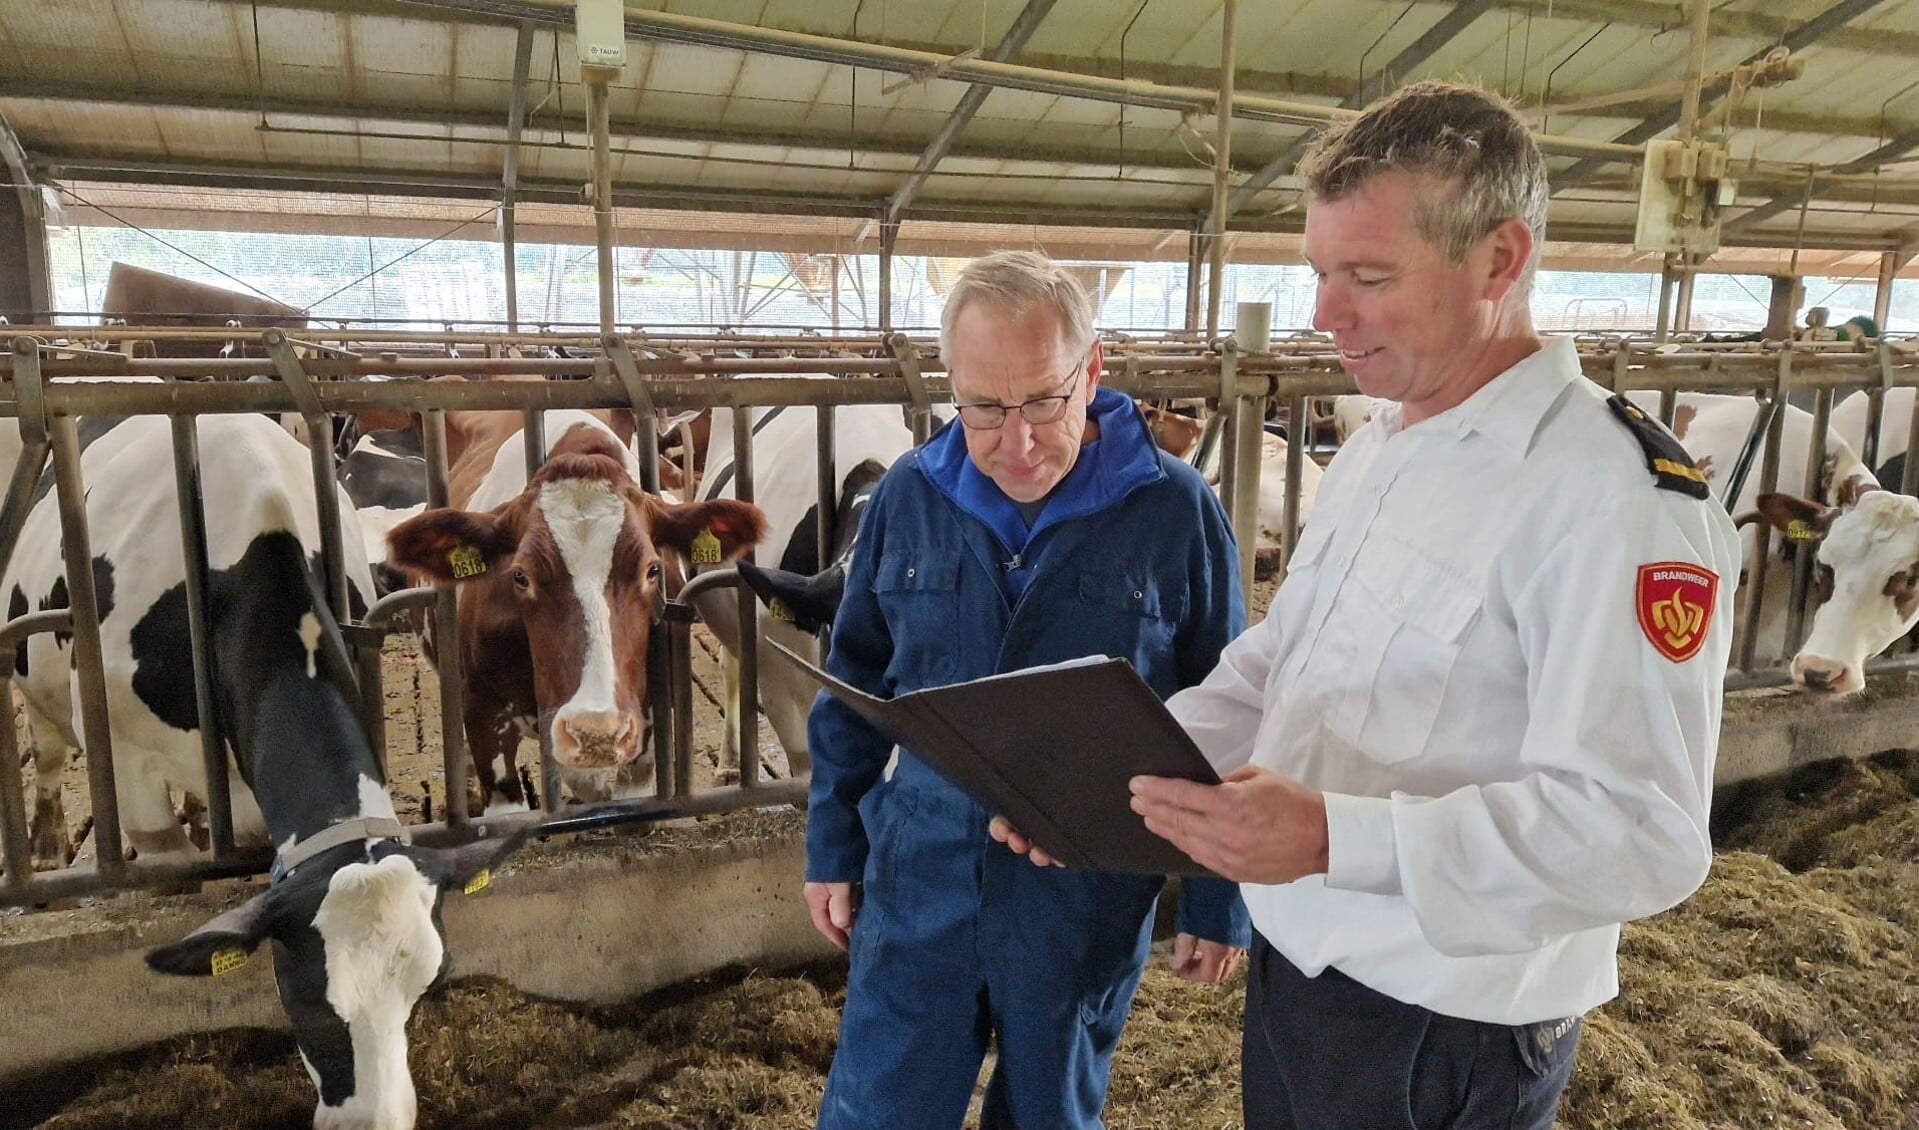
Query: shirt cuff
[1362,848]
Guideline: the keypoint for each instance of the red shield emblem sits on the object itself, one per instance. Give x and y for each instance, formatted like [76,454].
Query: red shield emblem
[1675,603]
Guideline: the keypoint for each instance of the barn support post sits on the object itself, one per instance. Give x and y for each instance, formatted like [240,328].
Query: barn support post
[596,116]
[1302,425]
[748,723]
[510,172]
[889,237]
[1762,531]
[446,637]
[1662,322]
[1241,461]
[78,543]
[1803,562]
[193,550]
[1909,480]
[827,477]
[1222,171]
[16,850]
[326,490]
[1682,304]
[1195,266]
[1889,264]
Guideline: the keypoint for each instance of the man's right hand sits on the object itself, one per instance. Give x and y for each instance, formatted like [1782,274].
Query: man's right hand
[832,906]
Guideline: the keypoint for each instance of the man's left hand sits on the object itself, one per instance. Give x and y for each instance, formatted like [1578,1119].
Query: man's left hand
[1254,827]
[1203,962]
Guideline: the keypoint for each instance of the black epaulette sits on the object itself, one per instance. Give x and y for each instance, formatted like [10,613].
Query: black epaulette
[1671,467]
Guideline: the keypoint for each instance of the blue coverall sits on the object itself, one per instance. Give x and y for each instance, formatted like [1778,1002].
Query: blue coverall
[958,940]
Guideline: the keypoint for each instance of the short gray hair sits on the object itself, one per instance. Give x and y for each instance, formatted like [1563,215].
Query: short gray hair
[1016,282]
[1450,133]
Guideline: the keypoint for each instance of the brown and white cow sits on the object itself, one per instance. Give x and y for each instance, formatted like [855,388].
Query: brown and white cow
[561,580]
[1866,539]
[1178,435]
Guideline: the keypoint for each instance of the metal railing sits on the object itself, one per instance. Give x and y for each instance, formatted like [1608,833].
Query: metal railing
[315,375]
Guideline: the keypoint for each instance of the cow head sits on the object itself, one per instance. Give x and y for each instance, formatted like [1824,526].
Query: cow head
[576,561]
[1866,582]
[357,939]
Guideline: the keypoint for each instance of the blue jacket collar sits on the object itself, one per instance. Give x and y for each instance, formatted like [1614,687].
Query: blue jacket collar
[1119,462]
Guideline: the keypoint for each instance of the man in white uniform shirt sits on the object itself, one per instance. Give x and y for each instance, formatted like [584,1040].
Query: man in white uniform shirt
[1476,731]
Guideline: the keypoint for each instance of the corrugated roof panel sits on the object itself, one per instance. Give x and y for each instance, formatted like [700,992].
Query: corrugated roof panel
[694,70]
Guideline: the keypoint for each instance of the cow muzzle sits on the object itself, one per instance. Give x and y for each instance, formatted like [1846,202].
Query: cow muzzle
[1826,676]
[595,739]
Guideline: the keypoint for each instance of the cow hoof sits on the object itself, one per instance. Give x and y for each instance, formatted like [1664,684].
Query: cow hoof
[53,849]
[723,778]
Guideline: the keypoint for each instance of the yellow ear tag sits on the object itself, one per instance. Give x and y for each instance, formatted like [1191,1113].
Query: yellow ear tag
[480,882]
[227,960]
[777,609]
[466,561]
[1798,530]
[706,548]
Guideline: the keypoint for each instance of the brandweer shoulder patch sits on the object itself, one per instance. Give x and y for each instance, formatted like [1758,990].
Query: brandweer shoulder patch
[1674,600]
[1671,467]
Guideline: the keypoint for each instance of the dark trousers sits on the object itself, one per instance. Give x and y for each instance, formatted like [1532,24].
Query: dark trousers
[1328,1053]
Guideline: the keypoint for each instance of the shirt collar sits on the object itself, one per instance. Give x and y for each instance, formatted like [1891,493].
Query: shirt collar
[1510,407]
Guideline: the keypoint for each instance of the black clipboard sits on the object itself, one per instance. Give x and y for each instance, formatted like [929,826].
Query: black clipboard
[1051,749]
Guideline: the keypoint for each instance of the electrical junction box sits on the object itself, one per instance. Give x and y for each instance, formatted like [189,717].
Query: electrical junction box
[1681,190]
[599,28]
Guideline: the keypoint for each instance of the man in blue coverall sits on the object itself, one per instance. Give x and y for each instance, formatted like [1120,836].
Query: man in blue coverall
[1042,526]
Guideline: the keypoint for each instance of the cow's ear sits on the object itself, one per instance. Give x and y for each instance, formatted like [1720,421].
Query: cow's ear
[706,533]
[469,866]
[448,545]
[221,945]
[1798,518]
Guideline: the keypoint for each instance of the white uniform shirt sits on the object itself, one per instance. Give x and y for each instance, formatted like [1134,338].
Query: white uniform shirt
[1457,659]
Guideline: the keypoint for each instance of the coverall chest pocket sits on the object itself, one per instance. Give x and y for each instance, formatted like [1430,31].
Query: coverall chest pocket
[1130,614]
[918,594]
[1398,626]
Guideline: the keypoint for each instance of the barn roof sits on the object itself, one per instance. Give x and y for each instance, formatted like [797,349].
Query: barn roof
[389,116]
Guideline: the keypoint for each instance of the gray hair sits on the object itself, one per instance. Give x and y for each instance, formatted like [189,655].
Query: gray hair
[1016,282]
[1452,134]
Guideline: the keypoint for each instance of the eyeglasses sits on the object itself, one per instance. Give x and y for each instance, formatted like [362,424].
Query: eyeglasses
[1038,411]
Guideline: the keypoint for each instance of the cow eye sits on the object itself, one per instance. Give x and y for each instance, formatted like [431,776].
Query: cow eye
[1822,583]
[653,571]
[520,580]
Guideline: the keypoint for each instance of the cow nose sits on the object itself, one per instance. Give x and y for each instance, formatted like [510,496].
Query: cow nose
[1817,674]
[595,739]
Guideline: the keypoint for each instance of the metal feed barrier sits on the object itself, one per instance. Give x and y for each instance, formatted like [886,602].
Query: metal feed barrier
[320,374]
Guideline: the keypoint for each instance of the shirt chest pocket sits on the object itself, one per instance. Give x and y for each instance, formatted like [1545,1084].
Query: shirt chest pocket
[1130,614]
[918,594]
[1388,651]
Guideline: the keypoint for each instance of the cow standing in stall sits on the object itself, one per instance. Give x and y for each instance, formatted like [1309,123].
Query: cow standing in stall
[352,909]
[1179,435]
[561,580]
[1866,581]
[867,439]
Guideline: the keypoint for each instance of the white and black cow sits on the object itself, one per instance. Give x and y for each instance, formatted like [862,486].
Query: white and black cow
[353,908]
[385,476]
[561,579]
[867,439]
